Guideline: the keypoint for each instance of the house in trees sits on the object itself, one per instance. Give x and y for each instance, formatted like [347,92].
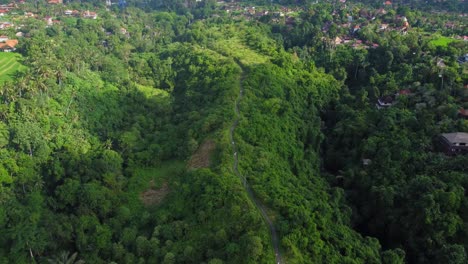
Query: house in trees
[8,45]
[380,11]
[463,113]
[385,101]
[454,143]
[90,15]
[383,27]
[9,6]
[463,59]
[55,2]
[338,41]
[440,63]
[389,100]
[404,92]
[356,29]
[48,20]
[5,25]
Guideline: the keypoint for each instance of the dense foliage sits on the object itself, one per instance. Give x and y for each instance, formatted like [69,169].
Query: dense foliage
[401,190]
[93,122]
[102,128]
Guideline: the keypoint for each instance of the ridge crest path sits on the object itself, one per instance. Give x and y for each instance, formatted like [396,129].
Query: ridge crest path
[248,189]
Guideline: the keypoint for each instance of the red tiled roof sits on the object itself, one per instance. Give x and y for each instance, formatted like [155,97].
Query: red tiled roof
[11,43]
[463,112]
[405,92]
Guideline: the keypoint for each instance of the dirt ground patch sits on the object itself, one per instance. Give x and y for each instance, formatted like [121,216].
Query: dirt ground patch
[154,196]
[201,157]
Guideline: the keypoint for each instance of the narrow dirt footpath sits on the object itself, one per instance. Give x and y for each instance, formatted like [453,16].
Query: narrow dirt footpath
[248,189]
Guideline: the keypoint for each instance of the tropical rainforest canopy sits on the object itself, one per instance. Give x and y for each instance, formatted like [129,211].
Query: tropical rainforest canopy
[115,132]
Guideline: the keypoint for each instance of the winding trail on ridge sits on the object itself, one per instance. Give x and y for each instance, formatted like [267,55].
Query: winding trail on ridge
[248,189]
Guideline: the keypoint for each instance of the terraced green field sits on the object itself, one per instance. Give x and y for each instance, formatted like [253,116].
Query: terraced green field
[9,65]
[442,41]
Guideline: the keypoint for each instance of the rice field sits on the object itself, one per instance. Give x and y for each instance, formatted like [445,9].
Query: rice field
[442,41]
[9,65]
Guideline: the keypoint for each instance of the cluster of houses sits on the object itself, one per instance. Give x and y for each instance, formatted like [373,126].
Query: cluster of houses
[75,13]
[464,38]
[6,8]
[85,14]
[355,43]
[286,15]
[451,144]
[5,25]
[400,23]
[50,21]
[251,12]
[6,44]
[390,100]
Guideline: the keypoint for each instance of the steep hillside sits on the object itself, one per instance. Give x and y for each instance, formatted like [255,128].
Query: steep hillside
[199,135]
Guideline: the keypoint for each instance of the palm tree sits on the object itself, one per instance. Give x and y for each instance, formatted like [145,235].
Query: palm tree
[64,258]
[8,92]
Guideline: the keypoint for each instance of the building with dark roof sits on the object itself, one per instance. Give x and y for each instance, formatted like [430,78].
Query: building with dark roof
[385,101]
[454,143]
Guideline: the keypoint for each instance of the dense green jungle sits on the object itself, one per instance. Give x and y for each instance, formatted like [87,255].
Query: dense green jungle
[233,132]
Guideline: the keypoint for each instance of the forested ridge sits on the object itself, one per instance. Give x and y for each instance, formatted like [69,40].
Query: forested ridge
[116,126]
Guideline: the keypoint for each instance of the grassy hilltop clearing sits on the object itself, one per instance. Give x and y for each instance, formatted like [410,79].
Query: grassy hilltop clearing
[10,63]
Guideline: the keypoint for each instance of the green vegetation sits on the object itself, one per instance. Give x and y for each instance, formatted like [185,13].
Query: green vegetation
[115,136]
[281,103]
[144,178]
[10,63]
[384,160]
[442,41]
